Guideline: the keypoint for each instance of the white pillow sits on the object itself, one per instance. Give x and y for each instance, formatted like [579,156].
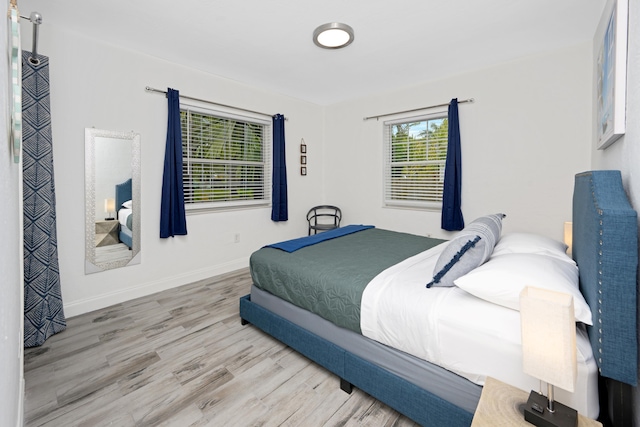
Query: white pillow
[530,243]
[127,204]
[501,279]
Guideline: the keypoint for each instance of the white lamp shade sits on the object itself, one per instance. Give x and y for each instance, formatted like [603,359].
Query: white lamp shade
[109,205]
[568,236]
[549,337]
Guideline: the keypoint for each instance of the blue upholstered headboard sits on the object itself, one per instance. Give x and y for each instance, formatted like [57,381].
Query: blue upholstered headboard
[123,193]
[605,246]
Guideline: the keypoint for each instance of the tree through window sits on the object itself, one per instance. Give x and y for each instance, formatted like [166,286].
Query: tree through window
[415,161]
[225,160]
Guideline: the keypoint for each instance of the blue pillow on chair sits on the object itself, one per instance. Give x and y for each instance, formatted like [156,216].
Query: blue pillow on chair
[471,248]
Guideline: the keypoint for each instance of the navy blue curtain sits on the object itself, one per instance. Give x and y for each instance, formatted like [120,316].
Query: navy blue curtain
[279,204]
[43,312]
[451,199]
[173,221]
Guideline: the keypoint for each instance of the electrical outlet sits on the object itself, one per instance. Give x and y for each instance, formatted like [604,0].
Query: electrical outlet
[236,238]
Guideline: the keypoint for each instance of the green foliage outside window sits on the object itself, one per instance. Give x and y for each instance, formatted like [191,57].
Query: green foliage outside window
[223,159]
[417,160]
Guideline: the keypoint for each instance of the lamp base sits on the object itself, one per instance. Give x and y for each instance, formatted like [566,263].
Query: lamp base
[109,219]
[563,416]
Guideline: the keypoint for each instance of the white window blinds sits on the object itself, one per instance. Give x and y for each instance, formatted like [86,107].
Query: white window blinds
[415,156]
[226,161]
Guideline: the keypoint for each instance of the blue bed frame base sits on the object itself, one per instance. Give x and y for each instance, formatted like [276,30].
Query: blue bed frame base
[421,406]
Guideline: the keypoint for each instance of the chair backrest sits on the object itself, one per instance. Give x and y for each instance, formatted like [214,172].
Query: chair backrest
[324,214]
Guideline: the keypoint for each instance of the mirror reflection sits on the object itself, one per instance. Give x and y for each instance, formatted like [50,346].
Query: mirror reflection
[112,210]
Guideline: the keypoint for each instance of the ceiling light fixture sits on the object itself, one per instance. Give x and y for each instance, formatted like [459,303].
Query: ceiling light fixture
[333,35]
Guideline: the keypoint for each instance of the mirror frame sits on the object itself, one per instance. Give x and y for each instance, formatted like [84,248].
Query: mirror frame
[90,135]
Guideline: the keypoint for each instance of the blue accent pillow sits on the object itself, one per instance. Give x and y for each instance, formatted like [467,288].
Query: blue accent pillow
[471,248]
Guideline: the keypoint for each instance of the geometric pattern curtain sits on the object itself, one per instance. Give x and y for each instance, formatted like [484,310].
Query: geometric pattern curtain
[43,312]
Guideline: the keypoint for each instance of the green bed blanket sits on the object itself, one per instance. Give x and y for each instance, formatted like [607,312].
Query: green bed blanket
[329,278]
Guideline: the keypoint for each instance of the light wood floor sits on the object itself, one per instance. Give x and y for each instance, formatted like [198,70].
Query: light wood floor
[181,358]
[112,253]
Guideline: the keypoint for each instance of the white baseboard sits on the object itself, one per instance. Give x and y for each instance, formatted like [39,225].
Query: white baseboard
[105,300]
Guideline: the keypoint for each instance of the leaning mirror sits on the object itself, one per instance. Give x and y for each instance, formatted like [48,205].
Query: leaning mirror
[112,199]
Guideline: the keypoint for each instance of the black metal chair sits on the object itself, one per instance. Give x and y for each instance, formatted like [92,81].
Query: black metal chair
[324,217]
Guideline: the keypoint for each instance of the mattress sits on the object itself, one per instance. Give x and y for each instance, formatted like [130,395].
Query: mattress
[125,218]
[464,334]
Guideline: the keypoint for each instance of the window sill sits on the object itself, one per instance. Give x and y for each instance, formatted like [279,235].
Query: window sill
[228,208]
[434,207]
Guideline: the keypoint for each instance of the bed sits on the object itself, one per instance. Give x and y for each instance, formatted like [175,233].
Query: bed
[604,248]
[125,211]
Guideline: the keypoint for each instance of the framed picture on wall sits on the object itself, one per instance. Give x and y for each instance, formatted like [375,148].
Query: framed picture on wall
[611,73]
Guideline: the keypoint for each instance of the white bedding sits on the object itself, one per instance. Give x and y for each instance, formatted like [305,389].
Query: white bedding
[460,332]
[123,214]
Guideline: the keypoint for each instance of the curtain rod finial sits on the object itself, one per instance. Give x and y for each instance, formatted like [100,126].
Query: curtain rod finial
[35,18]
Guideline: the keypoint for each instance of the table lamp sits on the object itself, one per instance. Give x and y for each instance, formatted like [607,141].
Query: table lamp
[549,353]
[568,237]
[109,206]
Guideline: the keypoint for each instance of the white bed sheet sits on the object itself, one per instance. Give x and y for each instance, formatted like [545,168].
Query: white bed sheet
[123,214]
[460,332]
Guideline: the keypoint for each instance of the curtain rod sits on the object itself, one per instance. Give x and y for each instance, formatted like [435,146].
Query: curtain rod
[470,100]
[150,89]
[36,20]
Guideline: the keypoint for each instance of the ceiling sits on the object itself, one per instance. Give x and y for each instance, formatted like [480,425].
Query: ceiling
[268,44]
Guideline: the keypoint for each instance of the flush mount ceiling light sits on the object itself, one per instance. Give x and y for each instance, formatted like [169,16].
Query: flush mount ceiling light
[333,35]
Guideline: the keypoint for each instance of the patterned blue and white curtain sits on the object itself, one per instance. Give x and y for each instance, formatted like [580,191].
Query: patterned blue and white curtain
[43,313]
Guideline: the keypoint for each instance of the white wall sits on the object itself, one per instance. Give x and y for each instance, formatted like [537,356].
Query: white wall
[624,154]
[523,140]
[11,295]
[97,85]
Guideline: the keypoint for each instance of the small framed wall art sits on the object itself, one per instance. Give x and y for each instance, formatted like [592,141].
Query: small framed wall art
[303,157]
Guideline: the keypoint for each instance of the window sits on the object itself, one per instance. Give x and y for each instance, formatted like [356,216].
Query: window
[225,160]
[416,152]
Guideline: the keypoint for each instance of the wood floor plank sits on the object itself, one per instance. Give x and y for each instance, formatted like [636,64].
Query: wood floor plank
[182,358]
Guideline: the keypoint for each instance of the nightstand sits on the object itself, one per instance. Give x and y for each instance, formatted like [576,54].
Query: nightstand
[499,407]
[107,232]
